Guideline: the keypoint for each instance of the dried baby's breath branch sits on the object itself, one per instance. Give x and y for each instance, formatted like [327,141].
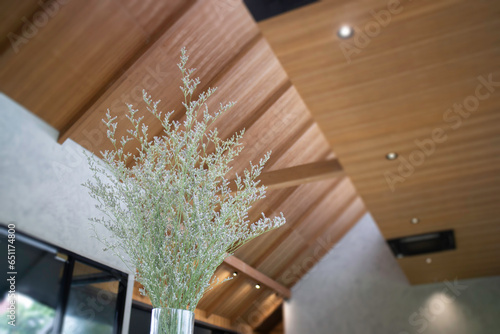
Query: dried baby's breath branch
[173,212]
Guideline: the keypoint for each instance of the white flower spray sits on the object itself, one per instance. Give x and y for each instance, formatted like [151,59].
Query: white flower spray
[172,213]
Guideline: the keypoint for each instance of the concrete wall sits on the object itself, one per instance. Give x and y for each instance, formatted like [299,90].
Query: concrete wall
[40,187]
[358,288]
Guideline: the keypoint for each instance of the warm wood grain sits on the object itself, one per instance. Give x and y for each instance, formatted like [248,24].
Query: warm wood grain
[296,175]
[274,323]
[396,90]
[227,292]
[279,329]
[311,199]
[12,17]
[74,59]
[209,56]
[262,307]
[256,275]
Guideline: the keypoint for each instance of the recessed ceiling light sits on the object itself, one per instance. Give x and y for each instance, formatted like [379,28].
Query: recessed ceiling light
[428,260]
[415,220]
[345,31]
[257,286]
[391,156]
[235,274]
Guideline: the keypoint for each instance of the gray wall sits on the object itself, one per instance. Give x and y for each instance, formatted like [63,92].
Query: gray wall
[358,288]
[40,187]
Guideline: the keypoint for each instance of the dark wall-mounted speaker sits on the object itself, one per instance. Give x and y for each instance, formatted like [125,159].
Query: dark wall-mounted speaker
[423,243]
[264,9]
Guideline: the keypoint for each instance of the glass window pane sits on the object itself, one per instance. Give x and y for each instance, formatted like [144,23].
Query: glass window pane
[37,289]
[91,304]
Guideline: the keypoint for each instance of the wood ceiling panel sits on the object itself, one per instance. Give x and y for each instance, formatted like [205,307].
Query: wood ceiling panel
[261,308]
[338,199]
[458,206]
[305,196]
[476,135]
[268,205]
[274,252]
[457,185]
[228,307]
[152,15]
[312,146]
[286,252]
[275,131]
[12,14]
[199,31]
[245,302]
[420,23]
[412,111]
[211,304]
[416,117]
[74,59]
[221,273]
[215,320]
[255,81]
[397,91]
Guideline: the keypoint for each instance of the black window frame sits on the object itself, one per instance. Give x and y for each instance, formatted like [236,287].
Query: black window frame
[67,277]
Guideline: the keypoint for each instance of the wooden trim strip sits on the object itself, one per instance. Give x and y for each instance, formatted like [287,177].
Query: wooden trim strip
[294,176]
[297,175]
[258,276]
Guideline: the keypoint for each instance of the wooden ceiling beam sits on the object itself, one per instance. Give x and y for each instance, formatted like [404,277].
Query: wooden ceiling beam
[244,269]
[297,175]
[258,276]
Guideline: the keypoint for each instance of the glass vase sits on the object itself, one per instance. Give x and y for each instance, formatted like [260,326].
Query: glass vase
[171,321]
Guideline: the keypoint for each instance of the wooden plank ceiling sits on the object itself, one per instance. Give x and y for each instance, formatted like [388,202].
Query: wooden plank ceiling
[90,55]
[400,83]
